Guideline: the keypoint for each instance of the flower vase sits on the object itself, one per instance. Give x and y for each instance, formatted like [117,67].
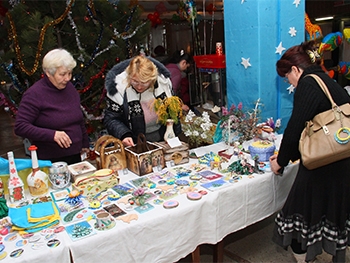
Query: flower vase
[169,133]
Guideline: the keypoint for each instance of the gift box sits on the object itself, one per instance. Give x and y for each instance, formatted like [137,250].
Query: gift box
[179,154]
[144,156]
[97,182]
[81,169]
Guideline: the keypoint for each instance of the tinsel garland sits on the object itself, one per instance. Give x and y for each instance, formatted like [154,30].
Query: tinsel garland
[40,43]
[93,78]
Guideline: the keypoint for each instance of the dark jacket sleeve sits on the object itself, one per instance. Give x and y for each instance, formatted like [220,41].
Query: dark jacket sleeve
[115,126]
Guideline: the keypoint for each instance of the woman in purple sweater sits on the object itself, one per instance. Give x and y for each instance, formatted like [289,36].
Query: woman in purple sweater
[49,114]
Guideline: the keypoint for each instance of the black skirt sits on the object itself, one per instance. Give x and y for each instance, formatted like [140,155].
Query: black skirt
[317,211]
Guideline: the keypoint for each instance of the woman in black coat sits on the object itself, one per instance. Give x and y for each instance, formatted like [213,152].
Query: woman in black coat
[316,215]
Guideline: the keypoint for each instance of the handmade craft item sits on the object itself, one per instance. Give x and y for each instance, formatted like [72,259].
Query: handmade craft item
[37,180]
[325,138]
[110,153]
[15,183]
[81,169]
[179,154]
[95,183]
[144,156]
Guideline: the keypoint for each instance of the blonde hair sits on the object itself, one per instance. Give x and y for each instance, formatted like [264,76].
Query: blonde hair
[143,68]
[58,58]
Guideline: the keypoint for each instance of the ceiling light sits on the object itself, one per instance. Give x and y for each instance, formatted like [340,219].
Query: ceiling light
[324,18]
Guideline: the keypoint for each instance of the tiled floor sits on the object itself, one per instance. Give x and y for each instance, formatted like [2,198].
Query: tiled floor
[250,245]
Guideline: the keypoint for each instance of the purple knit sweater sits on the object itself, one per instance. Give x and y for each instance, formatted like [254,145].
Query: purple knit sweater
[43,110]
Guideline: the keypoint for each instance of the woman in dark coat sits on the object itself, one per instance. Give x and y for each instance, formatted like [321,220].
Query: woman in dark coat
[132,86]
[316,215]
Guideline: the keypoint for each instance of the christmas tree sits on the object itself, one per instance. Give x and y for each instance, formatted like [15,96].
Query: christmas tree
[98,33]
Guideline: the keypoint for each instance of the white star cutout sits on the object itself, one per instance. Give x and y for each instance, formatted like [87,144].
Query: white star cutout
[242,1]
[245,63]
[280,49]
[291,89]
[292,31]
[296,3]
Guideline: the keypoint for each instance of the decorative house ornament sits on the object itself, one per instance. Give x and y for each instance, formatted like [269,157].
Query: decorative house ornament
[37,180]
[15,183]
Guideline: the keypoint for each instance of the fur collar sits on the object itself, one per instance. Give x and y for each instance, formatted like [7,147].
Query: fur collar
[119,68]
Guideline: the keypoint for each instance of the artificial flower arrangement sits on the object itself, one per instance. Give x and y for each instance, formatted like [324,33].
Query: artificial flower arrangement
[139,196]
[266,130]
[168,108]
[237,124]
[198,129]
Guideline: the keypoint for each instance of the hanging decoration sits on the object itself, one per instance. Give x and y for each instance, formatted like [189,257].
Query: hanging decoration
[346,33]
[313,32]
[155,19]
[330,42]
[344,68]
[93,78]
[41,40]
[127,28]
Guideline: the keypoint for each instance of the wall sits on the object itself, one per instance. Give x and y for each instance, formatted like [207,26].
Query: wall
[253,31]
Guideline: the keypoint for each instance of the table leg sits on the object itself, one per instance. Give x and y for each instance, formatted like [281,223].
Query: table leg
[196,255]
[218,255]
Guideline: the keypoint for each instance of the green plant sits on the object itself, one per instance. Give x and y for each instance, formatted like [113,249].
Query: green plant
[168,108]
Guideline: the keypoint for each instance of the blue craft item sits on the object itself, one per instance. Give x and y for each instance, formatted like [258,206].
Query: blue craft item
[19,217]
[21,164]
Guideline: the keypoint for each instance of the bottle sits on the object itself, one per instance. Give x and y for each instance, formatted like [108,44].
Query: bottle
[15,183]
[37,180]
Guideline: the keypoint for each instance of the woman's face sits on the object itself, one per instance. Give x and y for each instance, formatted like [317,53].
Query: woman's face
[61,77]
[293,75]
[183,65]
[138,85]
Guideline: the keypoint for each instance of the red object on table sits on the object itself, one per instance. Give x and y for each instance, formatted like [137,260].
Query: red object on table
[210,61]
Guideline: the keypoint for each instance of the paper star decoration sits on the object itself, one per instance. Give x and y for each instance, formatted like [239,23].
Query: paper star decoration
[296,3]
[291,89]
[280,49]
[245,63]
[292,31]
[242,1]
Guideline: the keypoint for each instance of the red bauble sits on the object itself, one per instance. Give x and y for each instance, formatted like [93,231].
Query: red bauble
[117,60]
[86,18]
[42,75]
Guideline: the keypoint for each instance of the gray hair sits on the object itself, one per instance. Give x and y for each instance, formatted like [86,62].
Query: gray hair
[58,58]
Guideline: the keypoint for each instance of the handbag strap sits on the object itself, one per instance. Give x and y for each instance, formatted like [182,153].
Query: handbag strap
[324,88]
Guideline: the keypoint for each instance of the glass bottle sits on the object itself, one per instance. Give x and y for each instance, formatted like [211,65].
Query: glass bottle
[15,183]
[37,180]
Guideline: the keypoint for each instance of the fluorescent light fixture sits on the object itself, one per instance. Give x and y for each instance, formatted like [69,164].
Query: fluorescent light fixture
[324,18]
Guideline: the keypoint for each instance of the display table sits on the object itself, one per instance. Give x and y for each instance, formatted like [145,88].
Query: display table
[167,235]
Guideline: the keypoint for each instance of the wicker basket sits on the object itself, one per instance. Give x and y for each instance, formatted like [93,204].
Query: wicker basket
[110,153]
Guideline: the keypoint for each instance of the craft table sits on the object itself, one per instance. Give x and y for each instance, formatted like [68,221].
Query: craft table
[167,235]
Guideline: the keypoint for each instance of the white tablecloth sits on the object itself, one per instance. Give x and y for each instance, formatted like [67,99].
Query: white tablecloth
[167,235]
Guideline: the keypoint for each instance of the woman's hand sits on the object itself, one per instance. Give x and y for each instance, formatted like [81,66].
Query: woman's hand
[62,139]
[128,142]
[275,167]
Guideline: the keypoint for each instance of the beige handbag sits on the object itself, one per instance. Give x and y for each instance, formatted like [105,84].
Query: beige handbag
[110,153]
[325,138]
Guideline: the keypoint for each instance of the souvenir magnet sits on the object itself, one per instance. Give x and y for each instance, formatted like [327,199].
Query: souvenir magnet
[16,253]
[53,243]
[170,204]
[2,247]
[21,243]
[3,255]
[11,237]
[194,196]
[34,238]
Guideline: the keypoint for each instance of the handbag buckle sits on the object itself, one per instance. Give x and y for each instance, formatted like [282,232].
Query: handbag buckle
[325,130]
